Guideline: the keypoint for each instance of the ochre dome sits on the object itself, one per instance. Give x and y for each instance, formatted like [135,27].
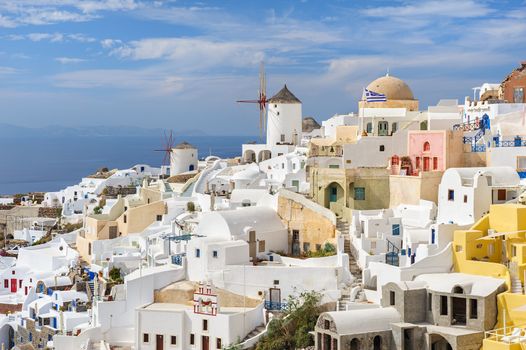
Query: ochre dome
[392,87]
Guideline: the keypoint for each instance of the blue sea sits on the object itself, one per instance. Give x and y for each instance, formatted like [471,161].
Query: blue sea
[50,164]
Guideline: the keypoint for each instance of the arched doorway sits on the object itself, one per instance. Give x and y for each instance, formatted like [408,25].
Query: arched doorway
[377,343]
[438,342]
[355,344]
[264,155]
[191,167]
[334,194]
[249,156]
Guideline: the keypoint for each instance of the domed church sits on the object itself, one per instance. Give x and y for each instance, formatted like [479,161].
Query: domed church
[397,92]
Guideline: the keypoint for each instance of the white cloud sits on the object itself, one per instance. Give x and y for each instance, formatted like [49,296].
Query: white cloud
[149,81]
[7,70]
[192,52]
[445,8]
[69,60]
[52,37]
[109,43]
[42,12]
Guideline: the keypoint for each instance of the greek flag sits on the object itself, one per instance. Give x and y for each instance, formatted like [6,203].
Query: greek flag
[371,96]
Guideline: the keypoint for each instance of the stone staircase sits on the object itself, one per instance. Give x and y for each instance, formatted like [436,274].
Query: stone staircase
[354,268]
[255,332]
[516,285]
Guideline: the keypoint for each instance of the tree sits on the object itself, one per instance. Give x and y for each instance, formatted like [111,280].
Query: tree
[190,206]
[291,331]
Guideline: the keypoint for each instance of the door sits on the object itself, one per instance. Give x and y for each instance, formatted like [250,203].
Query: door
[205,343]
[274,298]
[13,285]
[426,163]
[383,128]
[159,342]
[295,243]
[333,194]
[296,183]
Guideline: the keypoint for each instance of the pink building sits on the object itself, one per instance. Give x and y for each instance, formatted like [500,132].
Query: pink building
[429,150]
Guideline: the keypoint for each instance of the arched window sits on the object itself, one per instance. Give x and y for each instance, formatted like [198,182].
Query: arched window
[427,146]
[458,290]
[369,127]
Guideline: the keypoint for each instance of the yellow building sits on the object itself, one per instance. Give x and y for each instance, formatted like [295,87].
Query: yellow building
[128,215]
[496,246]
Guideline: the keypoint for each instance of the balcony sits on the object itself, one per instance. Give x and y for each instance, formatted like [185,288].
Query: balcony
[274,305]
[509,338]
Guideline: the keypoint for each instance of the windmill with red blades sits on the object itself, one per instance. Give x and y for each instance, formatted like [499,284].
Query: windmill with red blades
[168,144]
[262,99]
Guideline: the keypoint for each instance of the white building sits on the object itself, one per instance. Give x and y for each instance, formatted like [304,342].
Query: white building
[466,194]
[205,321]
[183,158]
[284,128]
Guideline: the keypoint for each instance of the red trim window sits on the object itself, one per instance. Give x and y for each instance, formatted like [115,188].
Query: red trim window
[6,283]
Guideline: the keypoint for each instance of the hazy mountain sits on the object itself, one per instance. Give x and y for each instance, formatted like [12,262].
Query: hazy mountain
[9,130]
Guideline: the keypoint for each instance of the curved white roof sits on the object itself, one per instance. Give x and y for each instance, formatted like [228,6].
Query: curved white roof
[232,223]
[250,173]
[501,176]
[471,284]
[364,320]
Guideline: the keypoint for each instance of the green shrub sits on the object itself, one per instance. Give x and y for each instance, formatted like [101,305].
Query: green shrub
[190,206]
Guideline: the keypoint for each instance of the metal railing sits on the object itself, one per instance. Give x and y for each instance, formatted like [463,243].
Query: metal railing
[511,143]
[274,305]
[507,335]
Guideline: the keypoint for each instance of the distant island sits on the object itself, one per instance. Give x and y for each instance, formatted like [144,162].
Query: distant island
[15,131]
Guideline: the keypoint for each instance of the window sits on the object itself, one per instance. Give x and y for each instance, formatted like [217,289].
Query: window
[450,195]
[282,165]
[473,311]
[518,95]
[261,246]
[359,193]
[327,324]
[125,219]
[214,254]
[513,251]
[219,344]
[293,166]
[501,195]
[306,246]
[369,128]
[443,305]
[465,198]
[282,138]
[145,338]
[521,163]
[392,298]
[159,218]
[205,325]
[427,146]
[429,301]
[382,148]
[435,163]
[396,229]
[276,282]
[6,283]
[192,339]
[198,253]
[334,166]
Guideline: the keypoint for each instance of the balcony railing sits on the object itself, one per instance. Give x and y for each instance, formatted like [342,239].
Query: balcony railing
[507,335]
[274,305]
[511,143]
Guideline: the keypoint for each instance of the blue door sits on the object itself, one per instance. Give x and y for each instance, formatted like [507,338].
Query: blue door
[334,194]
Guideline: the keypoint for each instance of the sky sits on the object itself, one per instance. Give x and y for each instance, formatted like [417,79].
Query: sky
[181,65]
